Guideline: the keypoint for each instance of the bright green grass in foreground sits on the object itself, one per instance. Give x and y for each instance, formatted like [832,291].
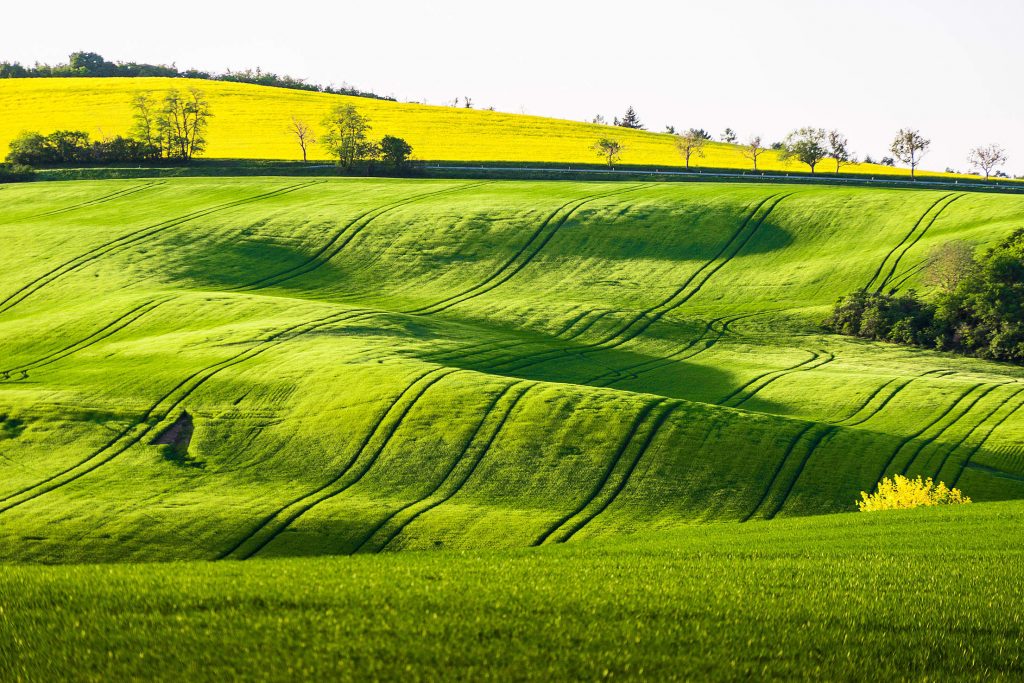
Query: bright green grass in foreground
[375,365]
[909,595]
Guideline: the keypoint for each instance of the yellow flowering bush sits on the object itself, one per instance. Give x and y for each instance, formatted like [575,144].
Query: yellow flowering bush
[901,492]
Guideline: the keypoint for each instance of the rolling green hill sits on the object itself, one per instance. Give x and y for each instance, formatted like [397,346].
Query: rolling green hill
[269,367]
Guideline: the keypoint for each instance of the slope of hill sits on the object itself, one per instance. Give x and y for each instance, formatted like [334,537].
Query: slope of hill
[231,368]
[848,597]
[251,122]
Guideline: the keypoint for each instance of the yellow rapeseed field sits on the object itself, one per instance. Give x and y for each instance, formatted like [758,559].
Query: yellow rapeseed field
[251,122]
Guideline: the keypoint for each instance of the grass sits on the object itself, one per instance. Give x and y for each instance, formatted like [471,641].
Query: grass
[251,122]
[365,364]
[610,404]
[906,595]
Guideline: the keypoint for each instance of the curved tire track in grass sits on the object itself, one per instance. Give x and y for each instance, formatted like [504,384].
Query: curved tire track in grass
[92,202]
[917,238]
[968,460]
[275,523]
[986,390]
[778,470]
[823,434]
[159,412]
[910,437]
[885,260]
[643,320]
[846,422]
[533,246]
[638,439]
[747,391]
[978,425]
[460,471]
[342,238]
[111,328]
[132,238]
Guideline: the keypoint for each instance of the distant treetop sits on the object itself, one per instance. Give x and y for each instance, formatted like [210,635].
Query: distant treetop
[92,65]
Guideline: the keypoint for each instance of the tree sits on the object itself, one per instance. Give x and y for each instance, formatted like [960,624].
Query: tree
[610,149]
[395,151]
[145,122]
[88,62]
[671,130]
[839,149]
[630,120]
[467,102]
[182,123]
[691,143]
[987,158]
[304,134]
[909,146]
[346,134]
[753,149]
[949,264]
[600,119]
[701,133]
[729,135]
[807,145]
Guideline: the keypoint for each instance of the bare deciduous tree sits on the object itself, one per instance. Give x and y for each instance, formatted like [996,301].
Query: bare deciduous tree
[145,122]
[689,144]
[753,149]
[987,158]
[610,149]
[304,133]
[949,264]
[839,149]
[909,146]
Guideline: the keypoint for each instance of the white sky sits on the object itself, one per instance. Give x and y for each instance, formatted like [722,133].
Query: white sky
[868,67]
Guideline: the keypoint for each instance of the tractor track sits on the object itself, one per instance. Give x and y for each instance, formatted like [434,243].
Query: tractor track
[976,427]
[968,460]
[640,322]
[825,433]
[111,328]
[342,238]
[159,412]
[266,531]
[478,444]
[895,264]
[772,376]
[881,266]
[131,239]
[92,202]
[648,422]
[986,390]
[533,246]
[846,422]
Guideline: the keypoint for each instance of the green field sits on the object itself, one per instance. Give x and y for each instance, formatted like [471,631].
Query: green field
[286,369]
[918,595]
[360,365]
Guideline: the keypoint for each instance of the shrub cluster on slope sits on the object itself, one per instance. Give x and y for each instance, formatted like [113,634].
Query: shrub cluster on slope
[92,65]
[978,308]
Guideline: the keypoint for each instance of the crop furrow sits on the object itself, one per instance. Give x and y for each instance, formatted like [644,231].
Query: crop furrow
[846,422]
[778,470]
